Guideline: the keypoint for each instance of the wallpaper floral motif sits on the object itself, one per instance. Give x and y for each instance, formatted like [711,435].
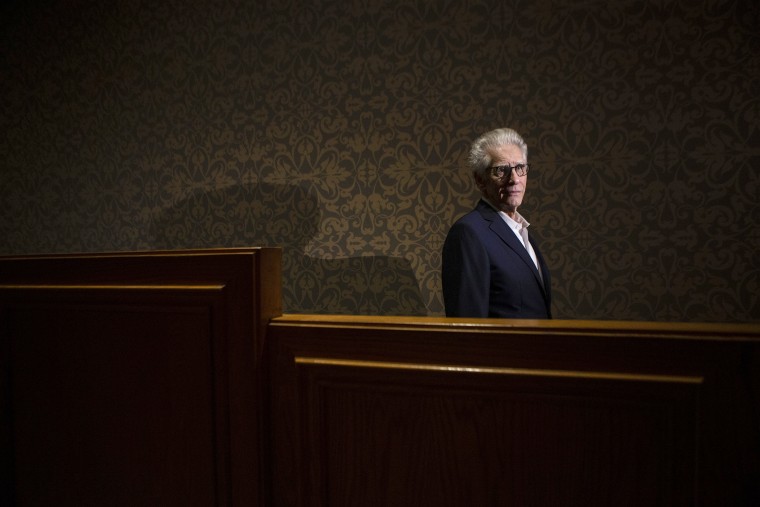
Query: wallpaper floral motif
[338,130]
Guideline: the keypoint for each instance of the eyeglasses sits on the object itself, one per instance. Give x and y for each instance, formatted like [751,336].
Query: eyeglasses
[503,171]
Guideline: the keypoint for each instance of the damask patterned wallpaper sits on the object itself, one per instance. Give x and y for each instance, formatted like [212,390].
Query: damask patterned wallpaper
[338,130]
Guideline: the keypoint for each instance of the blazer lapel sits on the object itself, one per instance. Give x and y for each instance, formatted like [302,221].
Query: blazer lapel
[546,281]
[502,230]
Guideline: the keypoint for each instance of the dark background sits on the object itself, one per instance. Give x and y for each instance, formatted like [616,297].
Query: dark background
[338,130]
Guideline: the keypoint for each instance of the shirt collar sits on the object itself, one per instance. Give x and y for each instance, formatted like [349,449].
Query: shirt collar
[516,223]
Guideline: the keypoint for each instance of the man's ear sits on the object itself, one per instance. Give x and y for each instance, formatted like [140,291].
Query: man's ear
[479,180]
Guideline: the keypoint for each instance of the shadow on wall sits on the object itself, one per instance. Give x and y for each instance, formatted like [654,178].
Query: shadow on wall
[288,216]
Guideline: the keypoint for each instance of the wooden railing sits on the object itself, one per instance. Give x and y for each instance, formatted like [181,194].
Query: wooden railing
[434,411]
[171,378]
[134,379]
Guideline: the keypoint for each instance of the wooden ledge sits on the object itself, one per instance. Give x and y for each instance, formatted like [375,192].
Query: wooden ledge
[690,330]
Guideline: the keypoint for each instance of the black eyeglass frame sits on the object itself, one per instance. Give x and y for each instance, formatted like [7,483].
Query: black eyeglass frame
[506,170]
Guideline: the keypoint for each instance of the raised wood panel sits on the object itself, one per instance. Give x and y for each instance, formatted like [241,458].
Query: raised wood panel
[123,398]
[420,437]
[135,379]
[440,412]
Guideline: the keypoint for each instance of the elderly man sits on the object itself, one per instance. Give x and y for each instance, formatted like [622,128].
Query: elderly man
[491,267]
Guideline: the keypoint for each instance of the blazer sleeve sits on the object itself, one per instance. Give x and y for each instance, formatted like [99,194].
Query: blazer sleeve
[465,273]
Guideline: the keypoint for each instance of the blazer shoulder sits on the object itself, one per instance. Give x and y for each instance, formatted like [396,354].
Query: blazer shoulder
[482,213]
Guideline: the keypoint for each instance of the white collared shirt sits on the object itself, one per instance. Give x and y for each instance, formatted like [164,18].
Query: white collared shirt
[519,227]
[516,225]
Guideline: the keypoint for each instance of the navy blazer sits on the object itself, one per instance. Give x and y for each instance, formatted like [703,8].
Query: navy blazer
[487,272]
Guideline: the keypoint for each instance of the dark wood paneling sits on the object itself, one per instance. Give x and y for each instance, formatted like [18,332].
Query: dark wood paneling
[135,379]
[445,412]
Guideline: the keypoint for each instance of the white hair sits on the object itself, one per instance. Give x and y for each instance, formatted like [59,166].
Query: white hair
[480,156]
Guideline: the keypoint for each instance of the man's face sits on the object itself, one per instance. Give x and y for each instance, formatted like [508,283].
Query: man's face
[507,193]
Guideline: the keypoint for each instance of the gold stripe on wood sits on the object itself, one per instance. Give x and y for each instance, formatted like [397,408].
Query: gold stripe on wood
[112,287]
[495,370]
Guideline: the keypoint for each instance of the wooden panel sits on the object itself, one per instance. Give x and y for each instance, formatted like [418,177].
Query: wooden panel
[445,412]
[135,379]
[115,397]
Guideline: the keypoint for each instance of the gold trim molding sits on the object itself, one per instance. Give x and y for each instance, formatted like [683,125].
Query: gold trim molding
[113,287]
[498,370]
